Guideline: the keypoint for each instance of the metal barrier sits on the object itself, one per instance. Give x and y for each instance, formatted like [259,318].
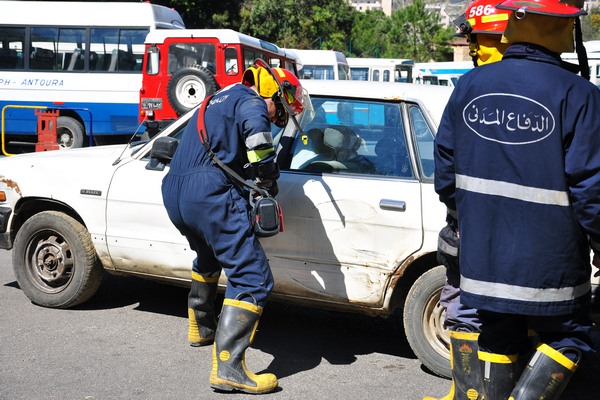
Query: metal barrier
[46,130]
[2,133]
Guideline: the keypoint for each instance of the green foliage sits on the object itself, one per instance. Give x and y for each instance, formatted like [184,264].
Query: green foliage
[590,25]
[304,24]
[204,14]
[411,32]
[369,34]
[417,33]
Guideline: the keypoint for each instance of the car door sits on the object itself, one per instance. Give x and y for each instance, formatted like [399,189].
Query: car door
[351,201]
[139,234]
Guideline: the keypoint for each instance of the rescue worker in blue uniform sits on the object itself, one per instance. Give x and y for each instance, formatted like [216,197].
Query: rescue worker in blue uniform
[483,25]
[212,210]
[518,157]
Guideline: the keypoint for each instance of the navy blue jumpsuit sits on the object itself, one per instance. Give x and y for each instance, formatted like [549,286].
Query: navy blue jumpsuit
[207,206]
[518,156]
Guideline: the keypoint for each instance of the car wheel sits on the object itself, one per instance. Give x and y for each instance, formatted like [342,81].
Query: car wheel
[69,133]
[424,322]
[189,86]
[55,262]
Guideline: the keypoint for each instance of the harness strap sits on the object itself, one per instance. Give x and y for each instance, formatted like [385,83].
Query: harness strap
[203,134]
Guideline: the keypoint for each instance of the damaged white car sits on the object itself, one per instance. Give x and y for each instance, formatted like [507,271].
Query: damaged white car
[361,217]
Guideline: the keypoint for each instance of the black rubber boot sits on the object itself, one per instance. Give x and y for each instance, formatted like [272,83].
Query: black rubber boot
[235,333]
[201,310]
[547,374]
[467,382]
[499,374]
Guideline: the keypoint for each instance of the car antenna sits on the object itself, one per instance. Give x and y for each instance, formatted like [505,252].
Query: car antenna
[118,160]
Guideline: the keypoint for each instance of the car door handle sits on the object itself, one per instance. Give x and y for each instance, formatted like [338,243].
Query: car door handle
[392,205]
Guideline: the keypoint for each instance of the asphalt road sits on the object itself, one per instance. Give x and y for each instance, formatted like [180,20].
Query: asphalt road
[129,342]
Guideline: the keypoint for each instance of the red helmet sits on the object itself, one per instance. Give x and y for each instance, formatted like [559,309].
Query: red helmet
[555,8]
[481,16]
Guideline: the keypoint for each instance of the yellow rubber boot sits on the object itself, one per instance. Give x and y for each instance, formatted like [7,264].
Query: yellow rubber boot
[202,323]
[499,374]
[547,374]
[466,371]
[235,333]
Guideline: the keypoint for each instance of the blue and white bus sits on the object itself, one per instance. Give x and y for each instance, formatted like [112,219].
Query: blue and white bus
[81,58]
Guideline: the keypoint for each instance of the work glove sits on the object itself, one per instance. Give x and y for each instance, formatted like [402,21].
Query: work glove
[269,185]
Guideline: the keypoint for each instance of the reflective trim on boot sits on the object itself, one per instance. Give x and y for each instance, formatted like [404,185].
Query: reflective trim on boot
[235,333]
[466,371]
[546,375]
[201,310]
[499,374]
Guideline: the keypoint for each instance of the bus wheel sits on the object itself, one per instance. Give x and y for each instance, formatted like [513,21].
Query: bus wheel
[424,322]
[69,133]
[189,86]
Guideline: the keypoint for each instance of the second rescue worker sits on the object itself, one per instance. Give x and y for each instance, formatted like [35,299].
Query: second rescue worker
[212,210]
[483,25]
[517,154]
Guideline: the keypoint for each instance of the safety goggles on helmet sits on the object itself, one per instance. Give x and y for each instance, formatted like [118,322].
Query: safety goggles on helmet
[290,89]
[555,8]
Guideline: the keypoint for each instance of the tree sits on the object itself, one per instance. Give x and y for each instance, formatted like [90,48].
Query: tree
[417,33]
[369,34]
[302,24]
[207,14]
[590,25]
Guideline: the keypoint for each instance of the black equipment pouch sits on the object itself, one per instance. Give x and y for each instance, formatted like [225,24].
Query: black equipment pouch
[266,216]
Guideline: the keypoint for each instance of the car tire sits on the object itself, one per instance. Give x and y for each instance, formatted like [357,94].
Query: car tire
[69,133]
[55,262]
[189,86]
[423,322]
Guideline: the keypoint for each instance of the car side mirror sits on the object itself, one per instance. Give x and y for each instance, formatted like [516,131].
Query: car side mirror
[162,152]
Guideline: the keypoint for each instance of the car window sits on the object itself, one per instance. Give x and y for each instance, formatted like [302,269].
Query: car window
[423,138]
[353,136]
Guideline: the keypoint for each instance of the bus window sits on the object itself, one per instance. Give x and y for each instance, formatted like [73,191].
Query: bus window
[359,74]
[386,76]
[11,48]
[375,75]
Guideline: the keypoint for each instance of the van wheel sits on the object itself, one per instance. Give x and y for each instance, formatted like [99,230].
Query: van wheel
[69,133]
[189,86]
[55,262]
[424,322]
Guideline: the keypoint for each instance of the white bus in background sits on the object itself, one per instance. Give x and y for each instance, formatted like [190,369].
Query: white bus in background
[444,73]
[593,53]
[381,69]
[322,64]
[82,59]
